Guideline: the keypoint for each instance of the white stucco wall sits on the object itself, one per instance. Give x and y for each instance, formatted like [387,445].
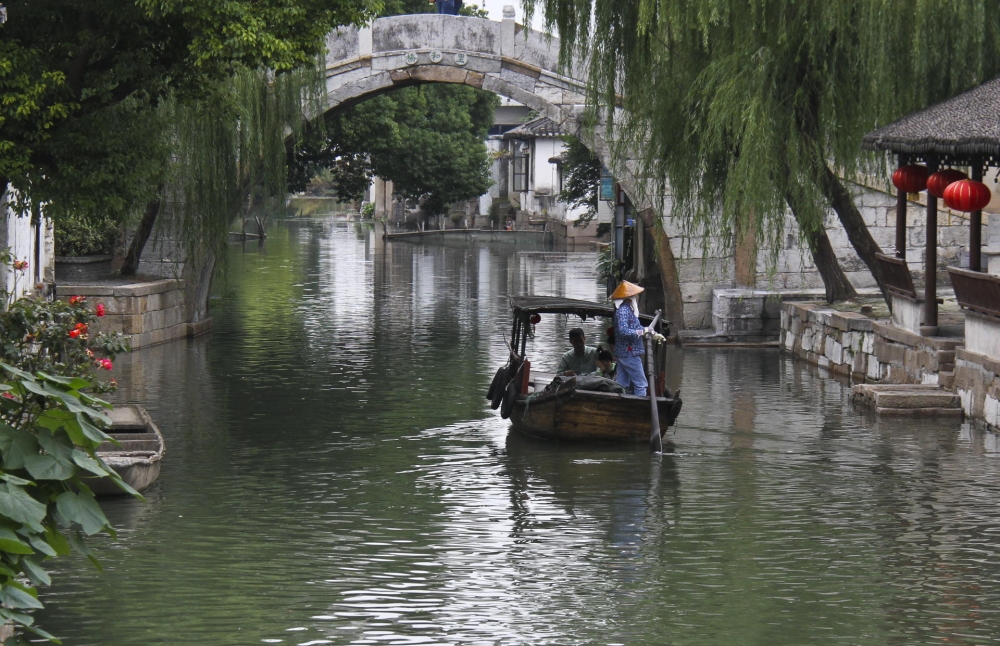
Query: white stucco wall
[19,236]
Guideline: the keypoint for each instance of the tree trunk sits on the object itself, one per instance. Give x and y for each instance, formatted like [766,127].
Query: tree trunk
[673,304]
[857,231]
[838,288]
[142,234]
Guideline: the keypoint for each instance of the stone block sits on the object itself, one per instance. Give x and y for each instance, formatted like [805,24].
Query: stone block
[890,353]
[154,320]
[833,350]
[860,364]
[133,324]
[199,327]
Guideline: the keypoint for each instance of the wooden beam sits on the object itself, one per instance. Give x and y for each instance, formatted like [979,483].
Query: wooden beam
[976,225]
[930,259]
[901,215]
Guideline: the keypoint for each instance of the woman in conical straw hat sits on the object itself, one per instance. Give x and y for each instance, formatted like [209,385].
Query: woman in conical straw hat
[628,339]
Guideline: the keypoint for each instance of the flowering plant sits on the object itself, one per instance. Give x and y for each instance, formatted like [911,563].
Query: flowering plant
[50,429]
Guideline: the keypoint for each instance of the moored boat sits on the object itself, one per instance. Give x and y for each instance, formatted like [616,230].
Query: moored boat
[575,409]
[138,458]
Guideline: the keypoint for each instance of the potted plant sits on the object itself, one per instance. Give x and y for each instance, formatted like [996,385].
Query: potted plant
[84,248]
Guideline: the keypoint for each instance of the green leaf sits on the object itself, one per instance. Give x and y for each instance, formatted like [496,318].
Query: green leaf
[10,543]
[16,504]
[40,545]
[90,464]
[95,434]
[35,572]
[73,383]
[47,467]
[15,595]
[27,376]
[16,444]
[6,477]
[83,509]
[57,541]
[44,635]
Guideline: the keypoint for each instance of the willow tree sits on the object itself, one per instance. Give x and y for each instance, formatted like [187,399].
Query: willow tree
[752,108]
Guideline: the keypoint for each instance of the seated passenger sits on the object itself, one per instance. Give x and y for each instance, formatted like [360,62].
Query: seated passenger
[581,360]
[605,365]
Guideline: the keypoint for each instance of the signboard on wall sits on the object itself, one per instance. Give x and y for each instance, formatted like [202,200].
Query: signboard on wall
[607,185]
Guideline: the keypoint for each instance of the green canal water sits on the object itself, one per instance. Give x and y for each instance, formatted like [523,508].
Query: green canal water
[334,475]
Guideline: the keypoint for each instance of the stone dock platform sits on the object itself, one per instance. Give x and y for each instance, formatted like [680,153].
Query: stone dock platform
[952,374]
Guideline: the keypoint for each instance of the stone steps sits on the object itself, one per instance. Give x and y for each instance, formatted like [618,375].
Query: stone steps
[908,400]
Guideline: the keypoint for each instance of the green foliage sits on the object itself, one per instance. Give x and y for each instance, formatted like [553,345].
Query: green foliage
[428,140]
[367,210]
[79,84]
[608,268]
[50,429]
[745,105]
[78,236]
[581,171]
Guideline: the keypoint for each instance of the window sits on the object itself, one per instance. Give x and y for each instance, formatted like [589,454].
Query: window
[521,158]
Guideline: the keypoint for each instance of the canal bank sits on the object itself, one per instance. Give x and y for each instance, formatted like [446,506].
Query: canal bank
[960,358]
[319,488]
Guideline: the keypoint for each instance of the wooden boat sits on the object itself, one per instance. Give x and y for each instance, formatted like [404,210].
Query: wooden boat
[570,413]
[138,458]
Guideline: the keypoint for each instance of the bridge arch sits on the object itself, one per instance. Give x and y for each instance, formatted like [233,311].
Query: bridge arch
[500,57]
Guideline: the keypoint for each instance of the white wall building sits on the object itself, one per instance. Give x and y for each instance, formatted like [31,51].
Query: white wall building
[28,239]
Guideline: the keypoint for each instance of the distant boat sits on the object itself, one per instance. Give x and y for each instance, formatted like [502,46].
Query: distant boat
[138,458]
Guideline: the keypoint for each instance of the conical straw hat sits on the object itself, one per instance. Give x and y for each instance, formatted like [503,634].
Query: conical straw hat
[626,290]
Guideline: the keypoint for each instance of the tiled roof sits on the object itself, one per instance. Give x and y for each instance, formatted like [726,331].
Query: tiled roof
[540,127]
[964,125]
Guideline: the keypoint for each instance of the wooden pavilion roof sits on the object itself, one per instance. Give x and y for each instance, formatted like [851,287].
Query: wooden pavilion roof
[964,126]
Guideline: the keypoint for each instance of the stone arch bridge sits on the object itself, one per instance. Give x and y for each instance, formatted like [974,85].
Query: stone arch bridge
[501,57]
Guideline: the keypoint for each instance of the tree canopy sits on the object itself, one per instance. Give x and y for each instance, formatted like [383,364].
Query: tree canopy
[428,140]
[749,107]
[65,60]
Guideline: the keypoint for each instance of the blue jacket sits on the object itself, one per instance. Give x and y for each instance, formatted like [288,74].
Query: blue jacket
[628,333]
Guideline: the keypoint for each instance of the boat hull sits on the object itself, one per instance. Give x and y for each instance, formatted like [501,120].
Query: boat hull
[587,416]
[137,459]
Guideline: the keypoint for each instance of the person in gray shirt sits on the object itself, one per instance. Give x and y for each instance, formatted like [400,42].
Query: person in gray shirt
[582,359]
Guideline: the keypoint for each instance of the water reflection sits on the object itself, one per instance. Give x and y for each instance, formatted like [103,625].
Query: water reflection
[334,475]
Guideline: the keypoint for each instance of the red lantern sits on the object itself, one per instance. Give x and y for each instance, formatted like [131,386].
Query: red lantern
[535,319]
[910,179]
[940,180]
[967,195]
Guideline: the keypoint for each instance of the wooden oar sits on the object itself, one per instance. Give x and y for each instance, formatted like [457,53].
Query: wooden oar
[655,443]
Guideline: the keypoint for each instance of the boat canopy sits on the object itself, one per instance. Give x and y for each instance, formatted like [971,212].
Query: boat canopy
[525,305]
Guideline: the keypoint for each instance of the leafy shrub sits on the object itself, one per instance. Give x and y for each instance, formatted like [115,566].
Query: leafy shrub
[77,236]
[368,210]
[50,428]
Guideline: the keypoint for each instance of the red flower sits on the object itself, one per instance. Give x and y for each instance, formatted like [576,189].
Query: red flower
[20,265]
[105,363]
[7,395]
[74,334]
[99,310]
[76,300]
[82,327]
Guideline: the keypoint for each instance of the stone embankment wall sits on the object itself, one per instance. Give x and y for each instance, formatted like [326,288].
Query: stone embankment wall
[146,313]
[795,270]
[855,346]
[870,351]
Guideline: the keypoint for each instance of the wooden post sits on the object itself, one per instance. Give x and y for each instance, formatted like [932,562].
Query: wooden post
[976,224]
[901,215]
[930,260]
